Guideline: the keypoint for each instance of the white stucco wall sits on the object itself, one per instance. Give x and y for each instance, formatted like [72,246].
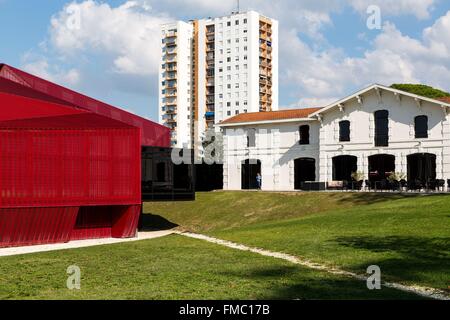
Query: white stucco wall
[278,143]
[277,148]
[402,141]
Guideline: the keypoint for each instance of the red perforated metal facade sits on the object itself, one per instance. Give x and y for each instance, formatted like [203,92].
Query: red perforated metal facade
[67,172]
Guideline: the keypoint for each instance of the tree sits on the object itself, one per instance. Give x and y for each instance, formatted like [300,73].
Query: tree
[421,90]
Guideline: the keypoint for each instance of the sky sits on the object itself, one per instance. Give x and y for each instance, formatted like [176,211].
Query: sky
[328,48]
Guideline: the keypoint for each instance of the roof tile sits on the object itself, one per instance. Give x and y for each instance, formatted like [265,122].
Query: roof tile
[271,115]
[445,99]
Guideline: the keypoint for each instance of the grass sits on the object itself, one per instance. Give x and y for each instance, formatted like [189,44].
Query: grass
[173,267]
[229,210]
[407,236]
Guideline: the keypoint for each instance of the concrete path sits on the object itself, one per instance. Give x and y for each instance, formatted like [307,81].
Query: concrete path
[81,243]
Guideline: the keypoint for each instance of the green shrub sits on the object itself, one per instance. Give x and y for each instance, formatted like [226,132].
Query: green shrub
[421,90]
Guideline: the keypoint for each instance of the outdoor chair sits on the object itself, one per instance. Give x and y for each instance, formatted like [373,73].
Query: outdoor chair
[431,185]
[383,185]
[403,184]
[345,185]
[395,185]
[440,185]
[335,185]
[420,184]
[412,185]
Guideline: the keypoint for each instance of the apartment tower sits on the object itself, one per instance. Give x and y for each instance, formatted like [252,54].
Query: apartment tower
[213,69]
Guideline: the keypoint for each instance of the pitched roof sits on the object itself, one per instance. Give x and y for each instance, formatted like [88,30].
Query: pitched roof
[445,99]
[27,85]
[11,87]
[280,115]
[75,121]
[378,87]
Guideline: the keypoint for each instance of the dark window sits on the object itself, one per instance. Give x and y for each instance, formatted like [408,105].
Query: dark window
[162,179]
[251,138]
[382,128]
[421,127]
[343,167]
[161,172]
[304,134]
[344,130]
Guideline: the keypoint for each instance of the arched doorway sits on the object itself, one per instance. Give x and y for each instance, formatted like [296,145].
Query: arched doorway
[380,167]
[421,167]
[250,168]
[304,170]
[343,167]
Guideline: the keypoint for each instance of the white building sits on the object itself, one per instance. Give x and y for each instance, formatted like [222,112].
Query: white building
[175,84]
[376,131]
[213,69]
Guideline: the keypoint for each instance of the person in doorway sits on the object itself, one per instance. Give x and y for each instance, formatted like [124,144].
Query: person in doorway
[258,180]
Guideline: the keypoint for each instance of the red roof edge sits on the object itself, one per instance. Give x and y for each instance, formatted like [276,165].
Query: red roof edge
[153,134]
[50,85]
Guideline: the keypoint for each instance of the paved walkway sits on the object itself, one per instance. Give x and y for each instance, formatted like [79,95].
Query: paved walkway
[80,243]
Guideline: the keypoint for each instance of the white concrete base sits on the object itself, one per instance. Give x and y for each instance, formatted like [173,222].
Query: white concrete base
[81,243]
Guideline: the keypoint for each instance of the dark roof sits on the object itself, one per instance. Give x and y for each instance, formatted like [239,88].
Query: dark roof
[271,115]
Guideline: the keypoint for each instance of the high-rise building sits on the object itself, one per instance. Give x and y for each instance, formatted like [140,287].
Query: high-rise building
[215,68]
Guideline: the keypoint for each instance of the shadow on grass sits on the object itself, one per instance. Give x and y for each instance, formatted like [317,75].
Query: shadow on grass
[301,283]
[419,260]
[151,222]
[365,198]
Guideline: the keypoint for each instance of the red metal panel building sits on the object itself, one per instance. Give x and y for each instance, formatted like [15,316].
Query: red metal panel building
[70,166]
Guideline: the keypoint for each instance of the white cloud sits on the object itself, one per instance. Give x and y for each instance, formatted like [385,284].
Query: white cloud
[41,68]
[394,57]
[419,8]
[307,16]
[127,35]
[312,102]
[125,40]
[437,36]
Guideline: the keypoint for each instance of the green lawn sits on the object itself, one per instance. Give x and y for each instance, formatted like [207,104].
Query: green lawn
[407,236]
[173,267]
